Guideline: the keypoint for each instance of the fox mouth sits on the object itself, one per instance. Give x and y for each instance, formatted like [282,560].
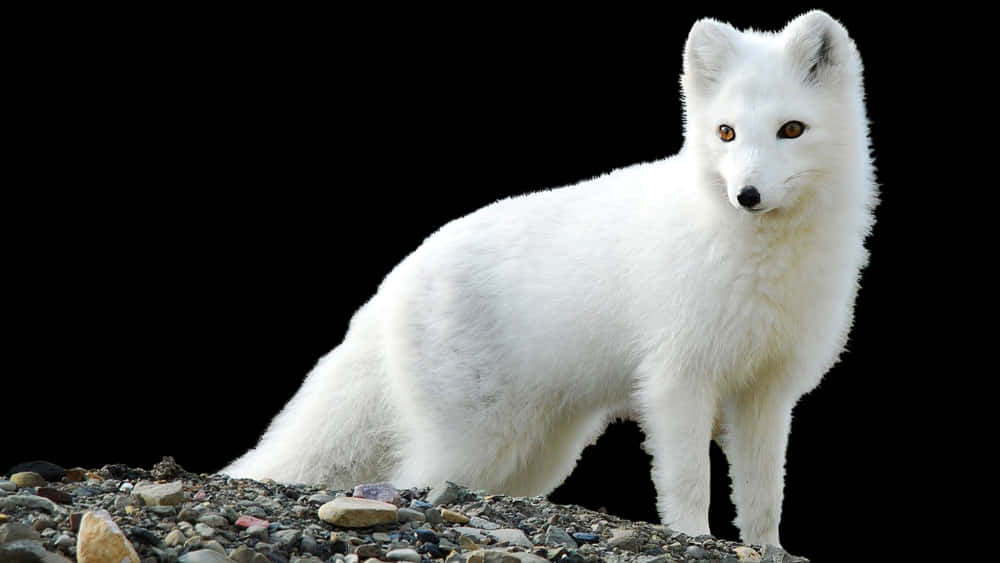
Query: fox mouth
[758,210]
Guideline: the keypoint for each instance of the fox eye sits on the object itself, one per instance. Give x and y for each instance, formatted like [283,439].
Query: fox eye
[791,130]
[726,133]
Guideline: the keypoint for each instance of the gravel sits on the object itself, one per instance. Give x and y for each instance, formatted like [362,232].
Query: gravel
[171,515]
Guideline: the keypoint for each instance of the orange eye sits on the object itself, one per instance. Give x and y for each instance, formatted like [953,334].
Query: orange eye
[726,133]
[791,130]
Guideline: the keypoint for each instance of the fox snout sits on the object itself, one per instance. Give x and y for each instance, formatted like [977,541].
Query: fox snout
[748,197]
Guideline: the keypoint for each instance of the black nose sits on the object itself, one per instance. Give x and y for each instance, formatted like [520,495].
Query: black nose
[748,197]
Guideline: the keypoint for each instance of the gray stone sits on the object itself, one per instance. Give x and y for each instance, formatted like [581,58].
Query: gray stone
[174,538]
[204,556]
[405,554]
[8,486]
[445,493]
[433,515]
[558,536]
[214,520]
[369,551]
[308,544]
[167,494]
[410,515]
[287,538]
[474,533]
[28,501]
[511,536]
[259,532]
[204,530]
[28,551]
[625,538]
[320,498]
[477,522]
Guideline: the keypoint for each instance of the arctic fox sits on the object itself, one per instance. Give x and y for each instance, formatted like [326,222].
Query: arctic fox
[701,295]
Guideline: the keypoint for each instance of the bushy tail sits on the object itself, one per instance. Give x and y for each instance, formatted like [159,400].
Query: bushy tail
[337,429]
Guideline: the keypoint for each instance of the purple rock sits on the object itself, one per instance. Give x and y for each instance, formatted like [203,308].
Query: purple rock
[384,492]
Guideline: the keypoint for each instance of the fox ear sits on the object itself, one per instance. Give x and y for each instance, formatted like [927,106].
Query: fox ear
[818,46]
[711,46]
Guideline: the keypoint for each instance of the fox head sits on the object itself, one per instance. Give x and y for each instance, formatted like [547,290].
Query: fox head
[770,116]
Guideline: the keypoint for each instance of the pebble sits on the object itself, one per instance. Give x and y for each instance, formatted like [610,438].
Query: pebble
[204,556]
[55,495]
[204,530]
[625,539]
[174,538]
[260,532]
[445,493]
[405,554]
[27,501]
[247,521]
[410,515]
[426,536]
[357,513]
[76,474]
[454,517]
[584,537]
[8,486]
[15,531]
[384,492]
[101,540]
[214,520]
[167,494]
[477,522]
[558,536]
[512,536]
[28,479]
[287,538]
[744,553]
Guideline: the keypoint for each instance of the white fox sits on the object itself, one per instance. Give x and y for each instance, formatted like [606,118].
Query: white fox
[701,295]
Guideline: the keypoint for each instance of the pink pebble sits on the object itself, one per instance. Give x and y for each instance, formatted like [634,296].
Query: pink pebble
[247,521]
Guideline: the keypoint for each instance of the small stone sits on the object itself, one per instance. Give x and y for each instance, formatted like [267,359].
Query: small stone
[384,492]
[204,556]
[75,475]
[8,486]
[369,551]
[466,542]
[247,521]
[28,479]
[433,515]
[627,539]
[744,553]
[101,540]
[3,517]
[410,515]
[64,542]
[28,501]
[477,522]
[214,520]
[174,538]
[511,536]
[187,515]
[46,469]
[454,517]
[43,524]
[695,552]
[445,493]
[204,530]
[288,539]
[357,513]
[167,494]
[585,537]
[404,554]
[320,498]
[262,533]
[242,554]
[558,536]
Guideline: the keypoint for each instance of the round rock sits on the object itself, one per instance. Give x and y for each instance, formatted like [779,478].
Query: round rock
[357,512]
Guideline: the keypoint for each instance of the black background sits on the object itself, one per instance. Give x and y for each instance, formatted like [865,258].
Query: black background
[196,204]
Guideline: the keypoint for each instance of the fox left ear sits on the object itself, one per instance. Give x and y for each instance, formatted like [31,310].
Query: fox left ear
[818,45]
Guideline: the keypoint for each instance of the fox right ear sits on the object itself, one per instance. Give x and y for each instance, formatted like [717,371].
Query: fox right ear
[710,47]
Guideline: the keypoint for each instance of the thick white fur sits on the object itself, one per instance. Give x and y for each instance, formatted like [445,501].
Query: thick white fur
[505,343]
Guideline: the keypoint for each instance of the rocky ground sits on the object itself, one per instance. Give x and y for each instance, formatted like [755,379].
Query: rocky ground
[118,513]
